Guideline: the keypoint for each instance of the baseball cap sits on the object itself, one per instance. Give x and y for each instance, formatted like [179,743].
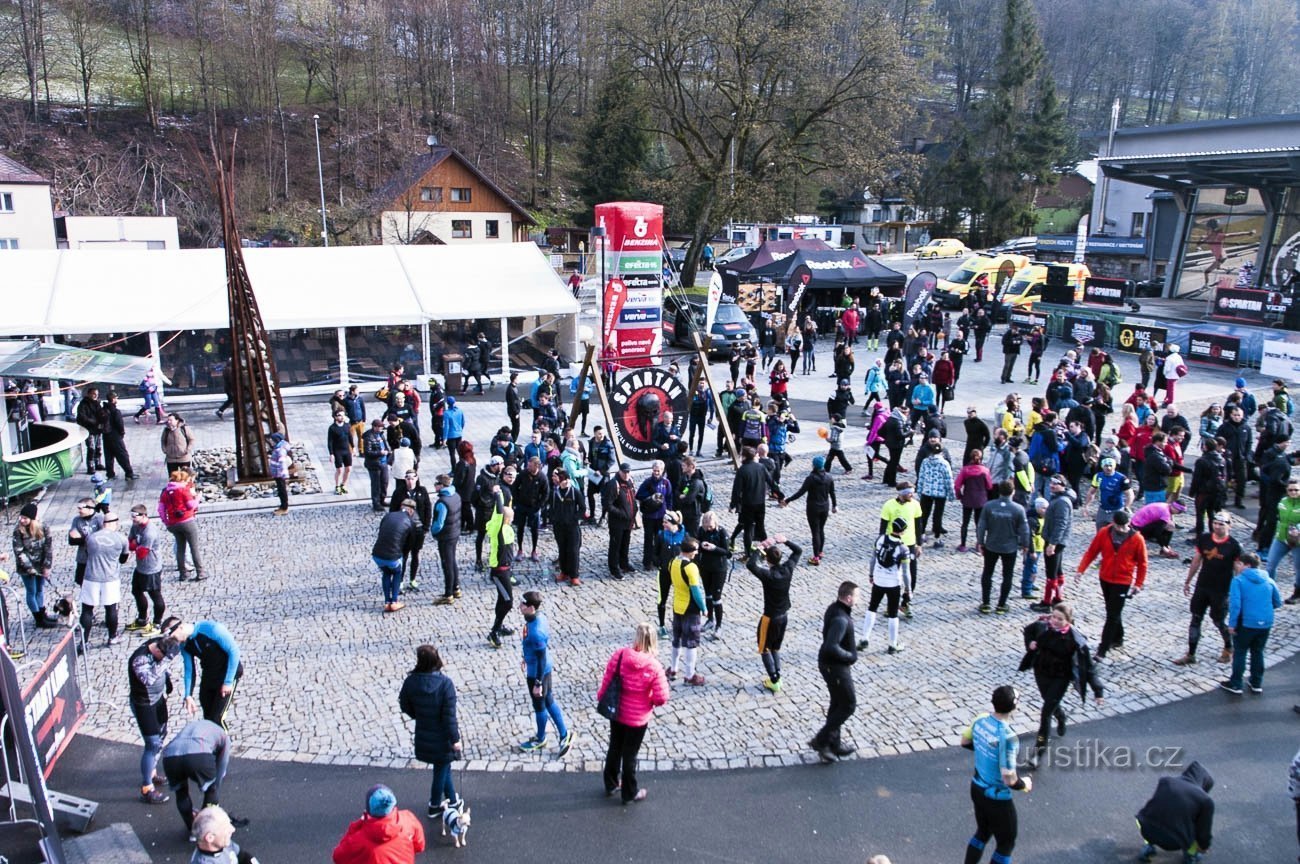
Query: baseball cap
[625,466]
[496,460]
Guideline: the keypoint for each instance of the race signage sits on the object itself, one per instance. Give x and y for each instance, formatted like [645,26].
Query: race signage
[919,291]
[633,298]
[1214,348]
[1281,359]
[1102,291]
[1086,331]
[52,702]
[1242,304]
[1028,320]
[639,401]
[1136,337]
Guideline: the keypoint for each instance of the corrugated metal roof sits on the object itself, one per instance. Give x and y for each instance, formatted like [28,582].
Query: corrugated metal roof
[1204,154]
[14,172]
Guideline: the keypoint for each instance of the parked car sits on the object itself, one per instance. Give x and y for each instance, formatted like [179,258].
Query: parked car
[1154,287]
[953,289]
[735,253]
[943,248]
[730,325]
[1018,246]
[678,255]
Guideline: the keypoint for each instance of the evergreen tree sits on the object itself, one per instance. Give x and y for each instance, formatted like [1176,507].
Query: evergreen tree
[615,144]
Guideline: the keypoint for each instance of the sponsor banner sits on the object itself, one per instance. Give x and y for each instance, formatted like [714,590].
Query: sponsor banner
[1028,320]
[715,297]
[639,400]
[637,283]
[630,317]
[612,303]
[1081,240]
[1136,337]
[1095,245]
[77,364]
[1102,291]
[52,702]
[631,265]
[1243,304]
[917,296]
[1281,360]
[634,347]
[634,232]
[1087,331]
[1214,348]
[642,299]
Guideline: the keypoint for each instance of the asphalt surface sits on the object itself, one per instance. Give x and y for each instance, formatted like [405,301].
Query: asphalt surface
[915,808]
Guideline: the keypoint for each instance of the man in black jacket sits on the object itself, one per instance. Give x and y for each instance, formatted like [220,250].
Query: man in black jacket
[775,578]
[618,499]
[894,433]
[1179,816]
[835,661]
[1011,342]
[1237,439]
[115,439]
[749,498]
[409,488]
[92,417]
[530,489]
[393,542]
[566,516]
[513,405]
[1209,489]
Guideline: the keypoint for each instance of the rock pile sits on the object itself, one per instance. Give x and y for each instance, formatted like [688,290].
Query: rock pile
[213,465]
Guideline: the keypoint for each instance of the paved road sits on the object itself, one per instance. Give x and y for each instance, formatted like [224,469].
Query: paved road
[913,807]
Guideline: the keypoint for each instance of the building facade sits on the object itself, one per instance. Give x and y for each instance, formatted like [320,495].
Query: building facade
[26,217]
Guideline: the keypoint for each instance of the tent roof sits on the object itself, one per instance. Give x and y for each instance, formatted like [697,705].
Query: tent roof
[834,269]
[68,292]
[775,250]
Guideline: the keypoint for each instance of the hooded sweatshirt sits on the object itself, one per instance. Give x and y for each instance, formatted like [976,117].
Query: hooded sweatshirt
[393,839]
[1252,597]
[1181,811]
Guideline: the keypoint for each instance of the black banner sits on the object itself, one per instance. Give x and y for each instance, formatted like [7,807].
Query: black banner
[1088,331]
[1214,348]
[1028,319]
[917,297]
[639,401]
[1242,304]
[1136,338]
[29,750]
[53,703]
[1103,291]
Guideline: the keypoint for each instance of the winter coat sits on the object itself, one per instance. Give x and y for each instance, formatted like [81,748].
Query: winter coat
[820,489]
[750,487]
[645,686]
[1003,528]
[972,486]
[1252,597]
[393,839]
[31,556]
[934,479]
[1126,565]
[177,503]
[177,443]
[429,698]
[280,460]
[1061,655]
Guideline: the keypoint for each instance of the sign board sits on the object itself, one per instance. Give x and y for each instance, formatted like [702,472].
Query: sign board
[759,296]
[919,291]
[52,700]
[1137,336]
[1027,319]
[1103,291]
[1241,304]
[23,746]
[633,295]
[1087,331]
[638,401]
[1281,360]
[1068,244]
[1214,348]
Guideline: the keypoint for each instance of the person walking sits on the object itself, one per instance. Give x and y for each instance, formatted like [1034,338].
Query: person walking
[537,670]
[376,454]
[409,488]
[775,578]
[280,462]
[115,452]
[428,697]
[1003,531]
[445,528]
[92,417]
[338,444]
[144,541]
[995,745]
[835,659]
[34,559]
[1123,572]
[148,682]
[888,578]
[1059,655]
[749,493]
[642,687]
[395,540]
[199,754]
[177,444]
[383,834]
[106,552]
[895,432]
[211,646]
[1179,817]
[1252,599]
[820,489]
[1213,567]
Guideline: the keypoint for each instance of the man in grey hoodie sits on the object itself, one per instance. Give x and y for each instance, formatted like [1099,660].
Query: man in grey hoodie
[1002,532]
[997,458]
[1057,523]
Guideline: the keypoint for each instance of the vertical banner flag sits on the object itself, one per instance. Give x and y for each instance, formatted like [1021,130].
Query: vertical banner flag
[917,297]
[1081,240]
[633,298]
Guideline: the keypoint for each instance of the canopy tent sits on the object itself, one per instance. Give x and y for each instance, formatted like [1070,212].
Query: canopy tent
[74,292]
[30,359]
[832,269]
[775,250]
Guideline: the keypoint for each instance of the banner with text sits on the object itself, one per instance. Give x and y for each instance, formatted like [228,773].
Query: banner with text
[1086,331]
[1138,336]
[1281,359]
[1214,348]
[633,298]
[1242,304]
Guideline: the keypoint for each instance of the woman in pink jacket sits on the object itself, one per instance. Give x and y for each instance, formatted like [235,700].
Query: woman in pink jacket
[874,439]
[972,485]
[645,687]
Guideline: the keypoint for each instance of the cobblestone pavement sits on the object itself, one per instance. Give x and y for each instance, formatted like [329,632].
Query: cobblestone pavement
[324,665]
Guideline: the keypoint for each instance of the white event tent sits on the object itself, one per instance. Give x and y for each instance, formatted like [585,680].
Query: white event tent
[74,292]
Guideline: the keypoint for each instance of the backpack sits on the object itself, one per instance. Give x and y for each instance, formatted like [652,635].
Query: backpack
[706,497]
[889,553]
[173,506]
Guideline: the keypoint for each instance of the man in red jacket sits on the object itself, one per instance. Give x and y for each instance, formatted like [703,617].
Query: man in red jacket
[1123,554]
[383,834]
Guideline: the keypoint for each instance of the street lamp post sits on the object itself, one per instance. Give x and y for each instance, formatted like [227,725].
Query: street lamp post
[320,177]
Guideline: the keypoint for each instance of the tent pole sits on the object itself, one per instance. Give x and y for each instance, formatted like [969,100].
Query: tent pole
[602,395]
[343,356]
[425,349]
[155,354]
[702,352]
[505,350]
[55,389]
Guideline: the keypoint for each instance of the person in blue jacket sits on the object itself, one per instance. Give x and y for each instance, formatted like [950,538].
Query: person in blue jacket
[537,669]
[217,655]
[453,427]
[1252,597]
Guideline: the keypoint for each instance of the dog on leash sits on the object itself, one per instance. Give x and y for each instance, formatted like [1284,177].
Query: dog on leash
[456,820]
[63,608]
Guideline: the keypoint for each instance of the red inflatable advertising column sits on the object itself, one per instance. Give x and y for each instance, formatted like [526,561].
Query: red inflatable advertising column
[632,300]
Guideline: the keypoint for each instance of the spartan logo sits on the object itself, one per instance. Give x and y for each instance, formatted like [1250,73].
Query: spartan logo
[639,401]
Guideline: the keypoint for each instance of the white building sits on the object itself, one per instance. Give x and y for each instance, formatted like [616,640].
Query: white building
[117,232]
[26,217]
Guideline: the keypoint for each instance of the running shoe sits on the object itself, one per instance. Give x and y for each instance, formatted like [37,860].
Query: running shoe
[146,630]
[444,600]
[1254,689]
[506,631]
[862,644]
[985,608]
[532,745]
[566,742]
[494,640]
[696,680]
[1225,656]
[1001,609]
[135,625]
[769,684]
[153,796]
[895,649]
[1234,689]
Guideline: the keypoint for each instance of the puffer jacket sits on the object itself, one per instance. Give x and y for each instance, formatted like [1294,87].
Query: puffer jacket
[973,485]
[429,698]
[177,443]
[645,686]
[393,839]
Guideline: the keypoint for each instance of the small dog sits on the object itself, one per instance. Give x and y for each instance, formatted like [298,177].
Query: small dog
[455,818]
[63,609]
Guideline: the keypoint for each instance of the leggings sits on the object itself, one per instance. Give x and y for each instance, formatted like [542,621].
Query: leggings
[994,819]
[713,585]
[412,563]
[665,591]
[505,597]
[202,769]
[966,519]
[529,520]
[1217,606]
[88,620]
[935,505]
[817,526]
[142,599]
[152,720]
[752,525]
[1035,367]
[695,433]
[1053,690]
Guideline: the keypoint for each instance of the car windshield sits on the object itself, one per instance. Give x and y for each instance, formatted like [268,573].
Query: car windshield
[1016,288]
[962,275]
[729,313]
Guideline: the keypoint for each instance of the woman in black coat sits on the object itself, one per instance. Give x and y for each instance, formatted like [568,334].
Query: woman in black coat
[1059,655]
[429,698]
[820,489]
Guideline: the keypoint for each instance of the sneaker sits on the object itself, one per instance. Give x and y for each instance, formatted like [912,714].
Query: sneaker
[506,631]
[663,631]
[494,640]
[444,600]
[1254,689]
[895,649]
[344,489]
[532,745]
[816,561]
[907,612]
[774,686]
[825,755]
[1188,660]
[695,680]
[147,630]
[862,644]
[338,490]
[1293,599]
[1148,853]
[560,577]
[1001,609]
[844,750]
[111,641]
[671,674]
[534,556]
[412,587]
[281,511]
[1040,608]
[1060,725]
[396,606]
[457,594]
[1234,689]
[961,547]
[136,625]
[575,582]
[1225,656]
[566,742]
[938,544]
[985,608]
[435,811]
[153,796]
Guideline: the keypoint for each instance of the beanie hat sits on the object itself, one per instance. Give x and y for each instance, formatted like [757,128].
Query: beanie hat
[451,401]
[1241,382]
[29,510]
[380,801]
[819,462]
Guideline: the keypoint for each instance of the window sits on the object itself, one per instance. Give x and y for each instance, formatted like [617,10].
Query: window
[460,228]
[462,194]
[6,202]
[431,194]
[1139,225]
[8,242]
[492,229]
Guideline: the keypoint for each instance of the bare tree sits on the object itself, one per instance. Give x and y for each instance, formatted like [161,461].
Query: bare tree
[137,18]
[87,37]
[30,34]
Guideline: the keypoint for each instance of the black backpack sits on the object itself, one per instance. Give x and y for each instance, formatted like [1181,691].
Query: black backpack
[889,553]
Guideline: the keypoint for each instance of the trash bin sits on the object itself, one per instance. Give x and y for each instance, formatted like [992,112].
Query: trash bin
[453,372]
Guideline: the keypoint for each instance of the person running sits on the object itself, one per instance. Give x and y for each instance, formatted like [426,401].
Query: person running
[995,746]
[537,669]
[501,555]
[1252,599]
[820,489]
[1179,817]
[775,579]
[643,686]
[1059,655]
[211,646]
[446,528]
[1213,566]
[428,697]
[200,753]
[888,577]
[144,541]
[1003,530]
[835,659]
[1123,572]
[394,541]
[106,552]
[148,681]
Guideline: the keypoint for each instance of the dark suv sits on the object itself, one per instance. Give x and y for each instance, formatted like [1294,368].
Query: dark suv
[730,326]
